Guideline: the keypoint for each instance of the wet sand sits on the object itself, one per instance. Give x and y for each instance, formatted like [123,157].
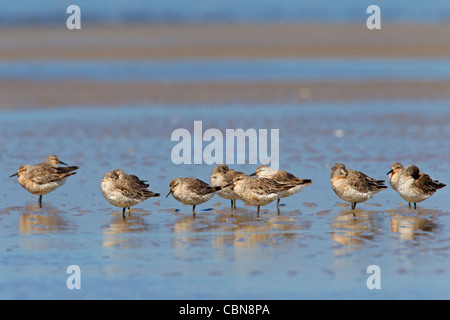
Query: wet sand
[84,93]
[225,41]
[152,42]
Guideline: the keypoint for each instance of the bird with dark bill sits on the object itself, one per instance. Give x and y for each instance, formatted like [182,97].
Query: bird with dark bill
[41,179]
[222,175]
[353,186]
[192,191]
[282,177]
[411,184]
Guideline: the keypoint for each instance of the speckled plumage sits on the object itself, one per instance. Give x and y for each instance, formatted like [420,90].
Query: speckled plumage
[124,190]
[353,186]
[414,186]
[221,176]
[283,177]
[254,191]
[42,179]
[52,161]
[191,191]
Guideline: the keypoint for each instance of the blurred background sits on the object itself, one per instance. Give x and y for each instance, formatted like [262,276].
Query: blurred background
[212,52]
[110,95]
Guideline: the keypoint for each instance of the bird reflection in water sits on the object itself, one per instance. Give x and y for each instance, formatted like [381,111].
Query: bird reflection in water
[239,229]
[120,231]
[33,220]
[350,230]
[413,226]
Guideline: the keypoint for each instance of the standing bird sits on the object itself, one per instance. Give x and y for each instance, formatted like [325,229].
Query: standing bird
[282,177]
[192,191]
[221,176]
[42,179]
[414,186]
[125,190]
[259,191]
[353,186]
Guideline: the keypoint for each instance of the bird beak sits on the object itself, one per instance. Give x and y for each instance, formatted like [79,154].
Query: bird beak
[390,172]
[60,162]
[169,193]
[253,174]
[227,185]
[13,175]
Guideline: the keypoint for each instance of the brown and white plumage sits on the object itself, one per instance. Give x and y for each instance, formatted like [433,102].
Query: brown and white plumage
[394,174]
[52,161]
[42,179]
[254,191]
[221,176]
[414,186]
[353,186]
[282,177]
[125,190]
[191,191]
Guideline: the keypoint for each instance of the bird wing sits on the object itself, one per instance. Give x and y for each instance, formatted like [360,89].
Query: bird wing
[201,188]
[135,189]
[46,174]
[286,177]
[363,182]
[426,184]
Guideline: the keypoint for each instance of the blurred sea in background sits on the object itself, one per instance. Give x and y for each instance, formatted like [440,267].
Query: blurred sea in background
[29,12]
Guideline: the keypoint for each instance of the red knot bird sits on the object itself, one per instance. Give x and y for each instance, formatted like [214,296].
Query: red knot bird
[125,190]
[221,176]
[353,186]
[52,161]
[259,192]
[415,186]
[41,179]
[191,191]
[282,177]
[394,174]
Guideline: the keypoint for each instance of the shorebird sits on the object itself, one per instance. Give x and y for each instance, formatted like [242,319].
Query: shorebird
[125,190]
[42,179]
[259,191]
[353,186]
[52,161]
[192,191]
[394,174]
[414,186]
[221,176]
[282,177]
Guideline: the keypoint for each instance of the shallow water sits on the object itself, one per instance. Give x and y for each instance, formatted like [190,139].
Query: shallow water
[237,70]
[313,248]
[29,12]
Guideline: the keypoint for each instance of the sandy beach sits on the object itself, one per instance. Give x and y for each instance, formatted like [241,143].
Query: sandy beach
[219,41]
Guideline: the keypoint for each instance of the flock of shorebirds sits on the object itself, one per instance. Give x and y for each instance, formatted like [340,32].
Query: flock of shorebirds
[257,189]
